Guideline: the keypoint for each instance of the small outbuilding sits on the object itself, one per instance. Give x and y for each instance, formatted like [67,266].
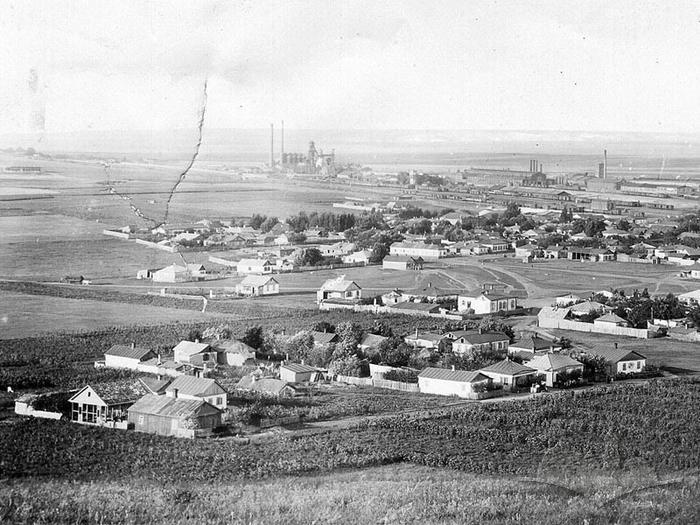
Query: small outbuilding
[298,373]
[510,374]
[127,356]
[169,416]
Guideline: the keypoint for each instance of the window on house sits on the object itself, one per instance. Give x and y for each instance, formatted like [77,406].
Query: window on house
[205,357]
[218,401]
[624,366]
[141,420]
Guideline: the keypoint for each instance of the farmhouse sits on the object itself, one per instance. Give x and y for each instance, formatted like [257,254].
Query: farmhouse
[417,249]
[393,297]
[336,250]
[129,357]
[445,382]
[191,387]
[532,344]
[476,340]
[171,274]
[254,266]
[267,386]
[195,353]
[510,374]
[483,302]
[361,257]
[298,373]
[233,352]
[621,361]
[611,319]
[493,244]
[397,262]
[552,365]
[105,403]
[424,340]
[590,254]
[339,288]
[323,339]
[256,285]
[170,416]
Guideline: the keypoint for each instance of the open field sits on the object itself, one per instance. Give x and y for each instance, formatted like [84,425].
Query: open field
[28,315]
[387,494]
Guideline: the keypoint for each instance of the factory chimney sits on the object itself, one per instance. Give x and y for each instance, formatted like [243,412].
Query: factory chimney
[272,145]
[605,163]
[282,142]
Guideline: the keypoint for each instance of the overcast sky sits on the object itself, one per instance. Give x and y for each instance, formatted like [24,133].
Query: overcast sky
[542,65]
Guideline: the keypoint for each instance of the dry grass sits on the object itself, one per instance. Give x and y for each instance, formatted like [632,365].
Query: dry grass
[388,494]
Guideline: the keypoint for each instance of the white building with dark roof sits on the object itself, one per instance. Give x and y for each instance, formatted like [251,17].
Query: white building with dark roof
[339,288]
[510,374]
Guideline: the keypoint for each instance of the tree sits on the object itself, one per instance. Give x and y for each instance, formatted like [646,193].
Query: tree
[256,220]
[310,257]
[298,348]
[268,224]
[253,337]
[221,331]
[379,251]
[512,211]
[492,324]
[324,326]
[394,352]
[347,366]
[349,336]
[194,335]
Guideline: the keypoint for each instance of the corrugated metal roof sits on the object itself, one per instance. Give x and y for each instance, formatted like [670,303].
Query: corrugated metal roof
[508,367]
[534,343]
[233,346]
[128,352]
[195,386]
[615,355]
[323,338]
[189,348]
[257,280]
[177,408]
[298,368]
[477,338]
[445,374]
[372,340]
[551,362]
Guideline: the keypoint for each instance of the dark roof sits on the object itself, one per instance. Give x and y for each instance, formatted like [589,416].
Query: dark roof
[421,307]
[324,338]
[154,385]
[119,392]
[476,338]
[195,386]
[615,355]
[298,368]
[534,343]
[265,385]
[176,408]
[128,351]
[508,367]
[445,374]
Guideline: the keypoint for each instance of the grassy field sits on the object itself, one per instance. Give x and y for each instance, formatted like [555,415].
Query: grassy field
[388,494]
[24,315]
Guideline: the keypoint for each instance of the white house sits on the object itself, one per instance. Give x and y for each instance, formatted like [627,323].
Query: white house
[532,344]
[464,341]
[233,352]
[129,357]
[336,250]
[339,288]
[445,382]
[100,404]
[361,257]
[418,249]
[171,274]
[567,300]
[509,373]
[621,361]
[254,285]
[690,297]
[254,266]
[298,373]
[191,387]
[396,262]
[195,353]
[487,302]
[552,364]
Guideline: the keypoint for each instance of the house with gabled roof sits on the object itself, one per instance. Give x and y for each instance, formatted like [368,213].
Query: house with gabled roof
[429,340]
[620,360]
[552,365]
[611,319]
[483,302]
[339,288]
[105,404]
[299,373]
[257,285]
[170,416]
[127,356]
[446,382]
[510,374]
[532,344]
[323,339]
[254,266]
[266,386]
[233,352]
[465,341]
[195,353]
[371,342]
[191,387]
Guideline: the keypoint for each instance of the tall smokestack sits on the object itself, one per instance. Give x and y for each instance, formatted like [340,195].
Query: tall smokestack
[282,142]
[272,145]
[605,164]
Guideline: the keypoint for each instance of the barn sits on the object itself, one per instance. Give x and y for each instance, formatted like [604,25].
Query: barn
[170,416]
[123,356]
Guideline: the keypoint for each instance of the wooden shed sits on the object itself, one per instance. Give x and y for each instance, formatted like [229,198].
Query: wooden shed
[170,416]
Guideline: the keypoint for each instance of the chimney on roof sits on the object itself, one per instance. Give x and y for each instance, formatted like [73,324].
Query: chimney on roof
[196,340]
[416,332]
[175,391]
[302,362]
[481,330]
[453,368]
[158,362]
[133,345]
[615,346]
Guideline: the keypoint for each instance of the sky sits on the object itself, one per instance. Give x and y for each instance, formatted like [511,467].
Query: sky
[496,65]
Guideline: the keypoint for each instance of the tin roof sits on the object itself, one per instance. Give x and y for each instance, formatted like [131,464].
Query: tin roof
[128,351]
[552,362]
[298,368]
[445,374]
[508,367]
[195,386]
[172,407]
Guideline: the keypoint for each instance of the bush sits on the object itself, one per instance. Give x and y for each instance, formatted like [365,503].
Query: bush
[404,376]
